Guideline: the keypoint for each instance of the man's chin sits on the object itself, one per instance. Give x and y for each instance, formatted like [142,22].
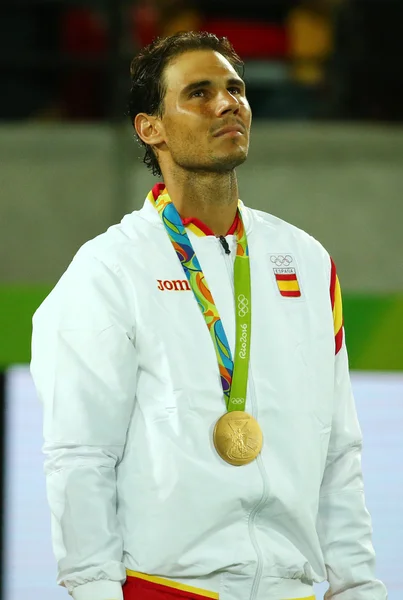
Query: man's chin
[216,163]
[228,162]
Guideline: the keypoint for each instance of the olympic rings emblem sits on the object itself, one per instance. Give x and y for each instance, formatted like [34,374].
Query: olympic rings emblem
[237,400]
[243,307]
[280,260]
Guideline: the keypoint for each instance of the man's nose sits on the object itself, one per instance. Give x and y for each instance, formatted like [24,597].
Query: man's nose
[226,103]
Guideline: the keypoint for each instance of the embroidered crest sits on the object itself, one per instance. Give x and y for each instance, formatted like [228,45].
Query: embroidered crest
[286,275]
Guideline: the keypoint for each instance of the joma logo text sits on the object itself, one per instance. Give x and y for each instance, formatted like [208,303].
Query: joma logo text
[176,285]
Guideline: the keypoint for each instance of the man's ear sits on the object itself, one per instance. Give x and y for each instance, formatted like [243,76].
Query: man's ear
[149,129]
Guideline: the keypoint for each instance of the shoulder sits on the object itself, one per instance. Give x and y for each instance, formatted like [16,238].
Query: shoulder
[94,276]
[110,246]
[289,236]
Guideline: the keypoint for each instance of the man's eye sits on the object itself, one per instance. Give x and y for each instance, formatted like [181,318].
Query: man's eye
[197,94]
[235,90]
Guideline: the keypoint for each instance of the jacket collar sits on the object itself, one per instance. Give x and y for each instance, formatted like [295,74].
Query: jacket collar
[149,213]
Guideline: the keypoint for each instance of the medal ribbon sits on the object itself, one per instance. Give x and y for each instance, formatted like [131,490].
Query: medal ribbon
[234,375]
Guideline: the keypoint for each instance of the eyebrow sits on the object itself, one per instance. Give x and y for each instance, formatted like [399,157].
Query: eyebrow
[207,83]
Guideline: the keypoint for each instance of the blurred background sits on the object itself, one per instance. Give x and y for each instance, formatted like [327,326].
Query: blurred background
[325,82]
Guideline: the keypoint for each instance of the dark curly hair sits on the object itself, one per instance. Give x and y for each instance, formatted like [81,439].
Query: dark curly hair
[148,87]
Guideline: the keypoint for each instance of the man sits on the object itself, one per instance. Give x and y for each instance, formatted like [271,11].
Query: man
[194,461]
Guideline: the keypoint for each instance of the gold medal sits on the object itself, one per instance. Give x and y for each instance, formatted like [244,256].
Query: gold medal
[237,438]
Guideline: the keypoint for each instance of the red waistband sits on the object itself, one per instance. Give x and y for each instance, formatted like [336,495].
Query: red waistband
[145,587]
[140,586]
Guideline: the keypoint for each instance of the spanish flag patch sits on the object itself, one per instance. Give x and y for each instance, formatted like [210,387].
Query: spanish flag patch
[287,282]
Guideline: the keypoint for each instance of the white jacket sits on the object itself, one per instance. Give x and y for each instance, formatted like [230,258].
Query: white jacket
[127,373]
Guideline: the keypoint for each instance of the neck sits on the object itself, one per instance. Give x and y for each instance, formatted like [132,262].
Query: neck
[210,197]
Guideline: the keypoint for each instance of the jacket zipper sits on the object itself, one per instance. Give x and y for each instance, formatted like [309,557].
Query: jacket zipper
[251,521]
[255,511]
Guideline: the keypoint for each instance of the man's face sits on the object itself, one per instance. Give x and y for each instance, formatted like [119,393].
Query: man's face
[206,117]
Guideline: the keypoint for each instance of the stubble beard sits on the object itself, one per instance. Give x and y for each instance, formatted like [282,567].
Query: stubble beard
[213,164]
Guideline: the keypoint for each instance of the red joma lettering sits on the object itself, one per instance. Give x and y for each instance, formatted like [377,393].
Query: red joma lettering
[177,285]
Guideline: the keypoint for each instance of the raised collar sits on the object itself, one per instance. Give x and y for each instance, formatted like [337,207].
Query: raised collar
[193,223]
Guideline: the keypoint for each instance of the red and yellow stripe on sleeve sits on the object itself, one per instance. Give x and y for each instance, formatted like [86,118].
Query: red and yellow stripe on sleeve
[337,308]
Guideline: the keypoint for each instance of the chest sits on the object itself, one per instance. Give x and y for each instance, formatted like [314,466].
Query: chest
[291,312]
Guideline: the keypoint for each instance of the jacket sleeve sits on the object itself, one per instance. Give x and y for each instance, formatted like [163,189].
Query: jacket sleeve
[344,524]
[84,368]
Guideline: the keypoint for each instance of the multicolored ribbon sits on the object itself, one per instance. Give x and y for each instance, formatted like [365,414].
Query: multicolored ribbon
[234,377]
